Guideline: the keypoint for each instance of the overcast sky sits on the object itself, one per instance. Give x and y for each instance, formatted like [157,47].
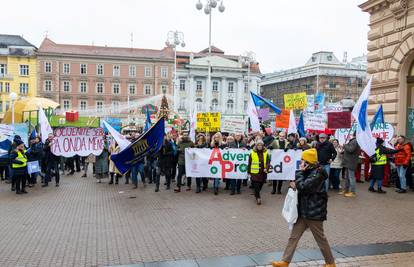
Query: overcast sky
[282,33]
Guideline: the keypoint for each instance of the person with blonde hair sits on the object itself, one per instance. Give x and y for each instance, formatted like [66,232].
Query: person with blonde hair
[217,142]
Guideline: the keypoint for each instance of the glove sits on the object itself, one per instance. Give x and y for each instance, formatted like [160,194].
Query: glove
[286,149]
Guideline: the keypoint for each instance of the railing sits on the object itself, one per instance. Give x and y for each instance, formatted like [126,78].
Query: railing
[6,76]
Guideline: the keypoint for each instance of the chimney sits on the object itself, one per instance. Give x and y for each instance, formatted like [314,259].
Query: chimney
[345,60]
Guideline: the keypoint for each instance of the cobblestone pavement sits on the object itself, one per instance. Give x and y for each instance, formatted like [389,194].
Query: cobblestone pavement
[83,223]
[389,260]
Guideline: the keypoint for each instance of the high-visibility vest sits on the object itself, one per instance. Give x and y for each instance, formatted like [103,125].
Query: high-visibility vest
[255,166]
[381,159]
[22,157]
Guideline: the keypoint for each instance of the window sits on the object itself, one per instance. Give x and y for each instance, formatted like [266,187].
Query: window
[360,83]
[48,85]
[1,106]
[99,69]
[245,105]
[115,88]
[199,85]
[147,89]
[214,105]
[182,85]
[83,105]
[116,70]
[246,87]
[215,86]
[164,72]
[3,69]
[83,69]
[132,71]
[7,106]
[7,87]
[182,104]
[132,89]
[83,87]
[99,106]
[164,89]
[332,83]
[147,72]
[99,88]
[1,87]
[24,88]
[199,104]
[66,68]
[66,86]
[24,70]
[48,67]
[230,106]
[66,104]
[115,106]
[349,82]
[231,87]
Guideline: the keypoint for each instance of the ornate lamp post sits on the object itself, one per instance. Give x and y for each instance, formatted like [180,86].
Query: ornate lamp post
[174,39]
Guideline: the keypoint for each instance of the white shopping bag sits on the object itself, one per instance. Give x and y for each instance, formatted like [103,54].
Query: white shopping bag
[290,209]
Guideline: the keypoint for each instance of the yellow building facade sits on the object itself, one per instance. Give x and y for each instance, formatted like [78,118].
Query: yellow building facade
[18,70]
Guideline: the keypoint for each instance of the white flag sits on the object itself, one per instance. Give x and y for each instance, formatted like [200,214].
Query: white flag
[360,114]
[45,128]
[119,138]
[193,125]
[251,111]
[292,124]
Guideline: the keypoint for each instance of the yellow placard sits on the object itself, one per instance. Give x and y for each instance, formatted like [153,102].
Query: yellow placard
[208,122]
[296,101]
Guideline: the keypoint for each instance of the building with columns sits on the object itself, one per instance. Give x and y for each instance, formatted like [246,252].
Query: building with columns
[231,81]
[390,60]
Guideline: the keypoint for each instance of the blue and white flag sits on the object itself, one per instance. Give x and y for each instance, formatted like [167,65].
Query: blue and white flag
[252,113]
[119,138]
[260,102]
[148,143]
[360,114]
[378,117]
[301,126]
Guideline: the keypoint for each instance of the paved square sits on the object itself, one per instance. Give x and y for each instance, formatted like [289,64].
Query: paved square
[83,223]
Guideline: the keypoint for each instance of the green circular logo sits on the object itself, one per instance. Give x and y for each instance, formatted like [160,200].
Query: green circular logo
[213,170]
[243,167]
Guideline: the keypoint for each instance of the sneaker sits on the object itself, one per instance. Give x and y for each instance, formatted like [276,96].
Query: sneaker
[280,264]
[24,191]
[349,194]
[83,176]
[273,192]
[341,192]
[402,191]
[259,201]
[381,191]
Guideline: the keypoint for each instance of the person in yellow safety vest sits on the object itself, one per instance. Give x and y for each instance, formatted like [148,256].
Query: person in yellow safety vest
[19,165]
[258,168]
[379,160]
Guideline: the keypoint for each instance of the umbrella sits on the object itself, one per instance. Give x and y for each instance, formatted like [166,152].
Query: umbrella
[28,104]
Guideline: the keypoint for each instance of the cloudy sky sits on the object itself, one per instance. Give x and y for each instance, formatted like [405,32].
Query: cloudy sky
[282,33]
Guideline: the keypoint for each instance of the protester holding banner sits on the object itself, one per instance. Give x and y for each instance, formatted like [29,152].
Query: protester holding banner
[217,143]
[201,143]
[303,144]
[184,143]
[279,143]
[35,154]
[258,168]
[18,159]
[52,162]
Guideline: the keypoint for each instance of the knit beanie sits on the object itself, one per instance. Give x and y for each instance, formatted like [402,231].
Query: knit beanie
[310,156]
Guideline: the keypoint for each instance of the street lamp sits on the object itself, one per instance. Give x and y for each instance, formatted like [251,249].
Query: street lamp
[174,39]
[208,10]
[13,97]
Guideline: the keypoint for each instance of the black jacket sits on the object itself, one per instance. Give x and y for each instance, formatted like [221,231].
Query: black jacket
[49,157]
[166,156]
[312,198]
[236,144]
[17,171]
[326,152]
[35,152]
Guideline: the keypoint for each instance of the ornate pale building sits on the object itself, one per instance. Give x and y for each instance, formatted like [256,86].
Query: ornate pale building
[390,60]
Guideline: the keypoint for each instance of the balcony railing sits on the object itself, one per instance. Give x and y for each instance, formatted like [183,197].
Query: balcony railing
[6,76]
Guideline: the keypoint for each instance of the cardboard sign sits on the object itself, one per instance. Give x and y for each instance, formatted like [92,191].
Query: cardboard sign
[333,107]
[282,120]
[296,101]
[233,125]
[314,121]
[71,141]
[311,103]
[208,122]
[338,120]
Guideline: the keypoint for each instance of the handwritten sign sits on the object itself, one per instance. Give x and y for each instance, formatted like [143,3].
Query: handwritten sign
[233,125]
[282,120]
[208,122]
[384,131]
[314,121]
[296,101]
[71,141]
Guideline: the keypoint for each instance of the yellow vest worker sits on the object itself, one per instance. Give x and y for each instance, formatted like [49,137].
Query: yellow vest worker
[19,165]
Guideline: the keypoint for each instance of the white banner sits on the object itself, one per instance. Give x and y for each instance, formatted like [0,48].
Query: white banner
[311,103]
[333,107]
[71,141]
[315,121]
[384,131]
[233,125]
[232,163]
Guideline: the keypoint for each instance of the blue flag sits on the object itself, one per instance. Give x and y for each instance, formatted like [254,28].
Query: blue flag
[33,134]
[147,121]
[378,118]
[260,101]
[301,126]
[148,143]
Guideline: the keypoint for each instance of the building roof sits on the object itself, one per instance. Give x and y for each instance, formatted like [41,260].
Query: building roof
[50,47]
[214,50]
[7,40]
[323,57]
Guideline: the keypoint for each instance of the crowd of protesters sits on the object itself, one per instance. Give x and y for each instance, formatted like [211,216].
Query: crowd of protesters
[343,163]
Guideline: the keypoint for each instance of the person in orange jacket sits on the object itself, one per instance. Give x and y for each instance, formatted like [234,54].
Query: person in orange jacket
[402,161]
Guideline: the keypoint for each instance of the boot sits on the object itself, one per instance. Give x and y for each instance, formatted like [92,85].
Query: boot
[330,265]
[198,190]
[381,191]
[280,264]
[112,179]
[371,189]
[216,191]
[273,192]
[157,188]
[259,201]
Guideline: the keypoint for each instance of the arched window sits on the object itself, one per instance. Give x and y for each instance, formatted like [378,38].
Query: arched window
[230,106]
[199,104]
[214,105]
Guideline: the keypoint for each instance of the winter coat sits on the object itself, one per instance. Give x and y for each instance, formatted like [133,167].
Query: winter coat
[262,175]
[101,165]
[49,158]
[267,140]
[112,150]
[276,144]
[337,163]
[351,155]
[304,147]
[35,152]
[166,159]
[17,171]
[185,143]
[236,144]
[91,158]
[326,152]
[403,157]
[312,198]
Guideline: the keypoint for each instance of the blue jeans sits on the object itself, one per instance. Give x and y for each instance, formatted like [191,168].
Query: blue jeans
[327,168]
[138,168]
[216,182]
[350,181]
[235,185]
[401,174]
[334,176]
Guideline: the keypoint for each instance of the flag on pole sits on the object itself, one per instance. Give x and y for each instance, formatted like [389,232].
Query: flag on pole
[147,121]
[292,123]
[260,101]
[301,126]
[378,117]
[33,134]
[119,138]
[193,125]
[360,114]
[251,112]
[45,128]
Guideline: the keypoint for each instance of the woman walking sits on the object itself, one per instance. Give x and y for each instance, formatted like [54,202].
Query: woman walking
[113,171]
[312,208]
[258,167]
